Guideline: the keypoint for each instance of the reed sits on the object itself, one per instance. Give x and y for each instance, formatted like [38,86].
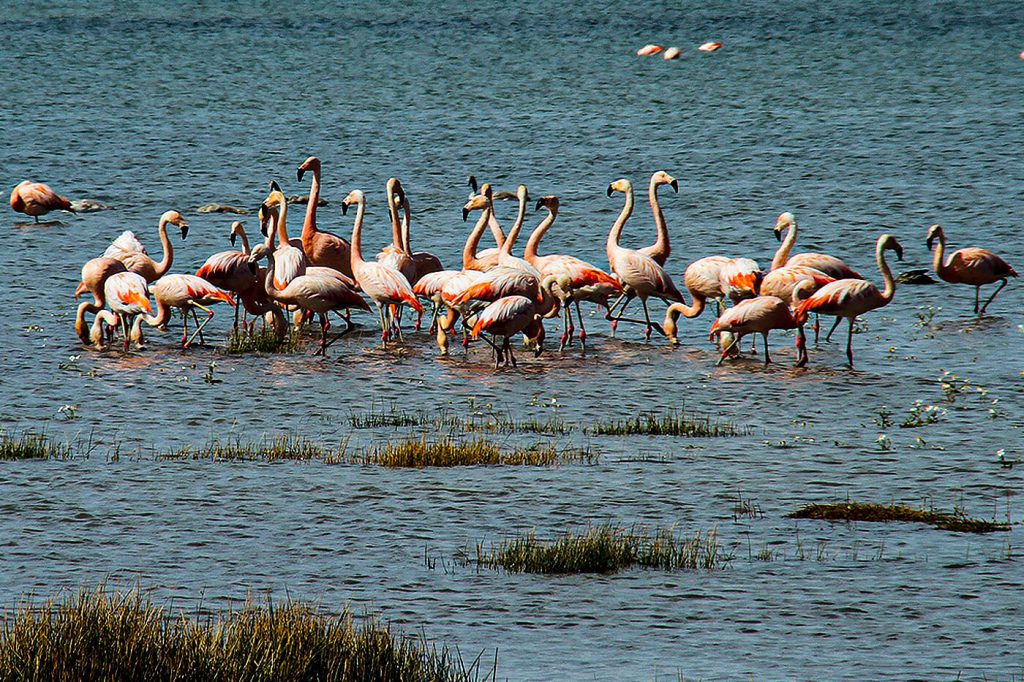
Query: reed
[32,446]
[279,448]
[671,423]
[449,452]
[605,548]
[107,635]
[447,420]
[263,341]
[956,521]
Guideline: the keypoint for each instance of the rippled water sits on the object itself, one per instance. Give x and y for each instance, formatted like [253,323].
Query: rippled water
[860,118]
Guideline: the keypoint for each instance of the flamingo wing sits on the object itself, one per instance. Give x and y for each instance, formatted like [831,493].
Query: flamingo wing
[125,243]
[504,313]
[289,263]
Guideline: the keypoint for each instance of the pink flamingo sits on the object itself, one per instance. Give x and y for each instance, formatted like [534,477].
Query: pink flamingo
[973,266]
[321,248]
[289,259]
[635,269]
[186,293]
[740,278]
[385,285]
[231,270]
[426,263]
[129,250]
[36,199]
[94,277]
[483,202]
[762,314]
[507,317]
[701,280]
[394,255]
[128,297]
[848,298]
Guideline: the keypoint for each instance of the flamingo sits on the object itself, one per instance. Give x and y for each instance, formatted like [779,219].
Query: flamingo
[94,276]
[972,265]
[128,297]
[289,259]
[852,297]
[129,250]
[231,270]
[635,269]
[321,248]
[483,202]
[36,199]
[489,255]
[586,282]
[762,314]
[425,262]
[701,280]
[102,328]
[507,317]
[186,293]
[394,255]
[740,278]
[383,284]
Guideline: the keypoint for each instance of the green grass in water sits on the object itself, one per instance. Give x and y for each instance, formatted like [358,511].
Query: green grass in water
[264,341]
[672,423]
[285,447]
[605,548]
[863,511]
[32,446]
[104,635]
[446,420]
[450,452]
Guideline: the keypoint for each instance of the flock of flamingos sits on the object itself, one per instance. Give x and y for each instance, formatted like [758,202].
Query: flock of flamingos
[495,293]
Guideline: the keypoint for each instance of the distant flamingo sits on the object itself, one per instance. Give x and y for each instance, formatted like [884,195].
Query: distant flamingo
[385,285]
[761,315]
[94,276]
[635,269]
[321,248]
[186,293]
[289,259]
[852,297]
[36,199]
[127,249]
[972,265]
[127,296]
[506,317]
[648,50]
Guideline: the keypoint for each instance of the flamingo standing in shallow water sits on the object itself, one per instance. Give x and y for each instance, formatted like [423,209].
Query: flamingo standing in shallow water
[36,199]
[637,270]
[848,298]
[94,277]
[186,293]
[761,315]
[972,265]
[129,250]
[321,248]
[128,297]
[289,259]
[231,270]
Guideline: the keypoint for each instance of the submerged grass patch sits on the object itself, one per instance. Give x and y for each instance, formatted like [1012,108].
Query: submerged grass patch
[605,548]
[447,420]
[956,521]
[447,452]
[32,446]
[100,634]
[263,341]
[671,423]
[285,447]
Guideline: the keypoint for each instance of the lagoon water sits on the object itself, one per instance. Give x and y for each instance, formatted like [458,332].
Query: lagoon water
[859,117]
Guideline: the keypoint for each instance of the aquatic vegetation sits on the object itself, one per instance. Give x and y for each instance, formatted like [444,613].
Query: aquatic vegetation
[671,423]
[32,446]
[449,452]
[102,634]
[956,521]
[264,341]
[922,415]
[448,420]
[746,509]
[286,447]
[605,548]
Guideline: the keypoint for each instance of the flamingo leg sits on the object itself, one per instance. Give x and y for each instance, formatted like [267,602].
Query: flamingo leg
[124,328]
[801,345]
[1000,288]
[767,358]
[828,337]
[849,343]
[324,326]
[383,326]
[977,295]
[583,329]
[566,322]
[184,327]
[508,350]
[647,321]
[199,327]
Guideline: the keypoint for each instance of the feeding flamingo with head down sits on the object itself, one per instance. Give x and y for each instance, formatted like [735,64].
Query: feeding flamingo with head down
[94,277]
[972,265]
[762,314]
[186,293]
[36,199]
[128,297]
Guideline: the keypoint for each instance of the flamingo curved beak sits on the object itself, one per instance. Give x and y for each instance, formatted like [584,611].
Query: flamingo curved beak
[778,234]
[675,185]
[233,236]
[471,180]
[274,187]
[931,240]
[610,190]
[299,173]
[540,202]
[184,230]
[899,252]
[254,267]
[465,214]
[344,208]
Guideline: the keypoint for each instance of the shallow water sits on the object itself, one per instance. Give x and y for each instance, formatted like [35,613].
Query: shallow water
[859,119]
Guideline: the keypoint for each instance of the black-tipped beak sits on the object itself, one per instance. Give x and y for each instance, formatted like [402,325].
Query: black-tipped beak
[298,174]
[274,187]
[899,254]
[778,234]
[610,190]
[344,208]
[472,183]
[233,235]
[931,240]
[184,231]
[675,185]
[540,202]
[465,214]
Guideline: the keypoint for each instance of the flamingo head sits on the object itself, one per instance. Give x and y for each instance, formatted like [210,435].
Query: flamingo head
[663,178]
[621,185]
[236,228]
[477,203]
[174,218]
[276,196]
[549,202]
[522,194]
[887,241]
[934,232]
[310,164]
[258,253]
[784,220]
[354,197]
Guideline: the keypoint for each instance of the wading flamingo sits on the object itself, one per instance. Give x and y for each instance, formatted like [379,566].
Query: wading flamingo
[471,259]
[394,255]
[321,248]
[852,297]
[426,263]
[505,318]
[740,278]
[94,276]
[231,270]
[128,297]
[36,199]
[636,270]
[384,285]
[973,266]
[289,260]
[186,293]
[129,250]
[761,315]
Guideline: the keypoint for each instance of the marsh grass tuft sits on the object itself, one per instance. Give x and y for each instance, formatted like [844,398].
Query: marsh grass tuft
[264,341]
[100,634]
[32,446]
[447,452]
[447,420]
[671,423]
[605,548]
[286,447]
[956,521]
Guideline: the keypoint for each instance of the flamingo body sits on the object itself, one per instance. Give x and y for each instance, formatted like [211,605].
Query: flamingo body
[36,199]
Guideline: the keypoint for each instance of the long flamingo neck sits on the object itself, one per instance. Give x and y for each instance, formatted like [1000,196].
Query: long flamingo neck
[782,255]
[268,281]
[271,231]
[532,244]
[165,263]
[245,241]
[406,219]
[890,282]
[496,231]
[938,260]
[662,247]
[517,227]
[282,218]
[620,222]
[309,225]
[469,251]
[396,228]
[163,314]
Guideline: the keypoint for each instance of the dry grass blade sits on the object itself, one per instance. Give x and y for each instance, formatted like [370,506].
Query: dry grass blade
[862,511]
[447,452]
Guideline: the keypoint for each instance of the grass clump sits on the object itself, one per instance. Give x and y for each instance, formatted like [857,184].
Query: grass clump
[605,548]
[32,446]
[671,423]
[956,521]
[286,447]
[263,341]
[448,452]
[104,635]
[446,420]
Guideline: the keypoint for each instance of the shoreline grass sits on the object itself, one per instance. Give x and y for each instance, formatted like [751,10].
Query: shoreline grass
[29,445]
[263,341]
[103,634]
[279,448]
[957,521]
[446,419]
[448,452]
[605,548]
[670,423]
